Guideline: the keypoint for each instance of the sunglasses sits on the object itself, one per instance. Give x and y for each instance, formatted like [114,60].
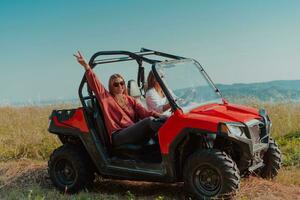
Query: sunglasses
[116,84]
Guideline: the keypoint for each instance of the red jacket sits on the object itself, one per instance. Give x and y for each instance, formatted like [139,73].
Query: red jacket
[115,117]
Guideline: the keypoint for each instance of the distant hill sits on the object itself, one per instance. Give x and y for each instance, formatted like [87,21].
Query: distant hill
[272,91]
[265,91]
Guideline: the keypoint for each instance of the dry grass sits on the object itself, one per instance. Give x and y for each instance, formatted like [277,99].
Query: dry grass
[260,189]
[289,176]
[23,133]
[24,137]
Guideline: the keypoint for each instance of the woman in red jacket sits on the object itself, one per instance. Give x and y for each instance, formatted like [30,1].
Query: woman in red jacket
[127,121]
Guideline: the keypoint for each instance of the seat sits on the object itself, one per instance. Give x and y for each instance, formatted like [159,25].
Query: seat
[133,89]
[135,92]
[131,151]
[125,150]
[99,124]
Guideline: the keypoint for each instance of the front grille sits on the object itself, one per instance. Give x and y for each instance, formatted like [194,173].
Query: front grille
[258,135]
[255,132]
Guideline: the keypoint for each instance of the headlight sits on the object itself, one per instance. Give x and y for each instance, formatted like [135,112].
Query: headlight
[235,129]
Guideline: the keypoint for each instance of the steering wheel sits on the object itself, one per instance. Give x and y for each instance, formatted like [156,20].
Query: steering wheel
[187,97]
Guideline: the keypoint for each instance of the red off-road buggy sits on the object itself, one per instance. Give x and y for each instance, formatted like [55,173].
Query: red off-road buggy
[207,143]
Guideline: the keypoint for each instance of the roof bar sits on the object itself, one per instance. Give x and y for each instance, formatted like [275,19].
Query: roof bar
[162,54]
[131,56]
[127,58]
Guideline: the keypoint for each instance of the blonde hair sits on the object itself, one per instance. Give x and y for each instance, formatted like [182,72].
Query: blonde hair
[111,82]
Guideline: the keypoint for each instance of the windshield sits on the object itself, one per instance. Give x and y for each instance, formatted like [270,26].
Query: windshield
[187,83]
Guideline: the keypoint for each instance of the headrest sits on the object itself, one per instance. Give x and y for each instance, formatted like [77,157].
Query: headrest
[133,89]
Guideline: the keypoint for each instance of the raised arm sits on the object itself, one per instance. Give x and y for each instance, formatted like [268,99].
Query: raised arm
[92,80]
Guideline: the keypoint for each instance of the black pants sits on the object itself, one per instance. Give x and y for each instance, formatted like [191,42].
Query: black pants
[138,133]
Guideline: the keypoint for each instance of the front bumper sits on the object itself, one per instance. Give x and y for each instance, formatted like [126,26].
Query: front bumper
[250,154]
[251,148]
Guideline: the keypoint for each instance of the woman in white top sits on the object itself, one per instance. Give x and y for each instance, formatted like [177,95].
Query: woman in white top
[155,98]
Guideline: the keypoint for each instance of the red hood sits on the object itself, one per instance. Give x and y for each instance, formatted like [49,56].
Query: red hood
[205,118]
[225,113]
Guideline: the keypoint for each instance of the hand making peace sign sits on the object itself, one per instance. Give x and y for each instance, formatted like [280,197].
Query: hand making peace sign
[82,61]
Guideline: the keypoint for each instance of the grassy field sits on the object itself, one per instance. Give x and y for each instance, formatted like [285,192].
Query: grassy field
[26,145]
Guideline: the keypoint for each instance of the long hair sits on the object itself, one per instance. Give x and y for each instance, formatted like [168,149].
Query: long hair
[151,81]
[111,81]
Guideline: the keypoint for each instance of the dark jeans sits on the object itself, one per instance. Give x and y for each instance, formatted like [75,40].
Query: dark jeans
[138,133]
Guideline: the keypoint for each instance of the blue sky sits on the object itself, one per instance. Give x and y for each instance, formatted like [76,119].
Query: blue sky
[236,41]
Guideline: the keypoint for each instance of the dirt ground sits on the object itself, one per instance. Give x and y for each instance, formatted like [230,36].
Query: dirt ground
[23,173]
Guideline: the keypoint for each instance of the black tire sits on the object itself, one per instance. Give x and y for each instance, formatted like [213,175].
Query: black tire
[211,173]
[272,161]
[69,169]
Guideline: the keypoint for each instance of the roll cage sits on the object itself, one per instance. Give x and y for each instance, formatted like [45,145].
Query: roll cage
[139,57]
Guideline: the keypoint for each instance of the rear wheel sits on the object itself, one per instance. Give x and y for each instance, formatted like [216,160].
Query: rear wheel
[69,169]
[211,173]
[272,161]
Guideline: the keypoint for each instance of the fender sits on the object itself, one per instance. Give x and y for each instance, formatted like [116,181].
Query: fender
[176,154]
[68,122]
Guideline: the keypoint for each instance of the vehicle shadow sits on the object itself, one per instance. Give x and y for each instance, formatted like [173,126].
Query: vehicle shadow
[22,173]
[138,188]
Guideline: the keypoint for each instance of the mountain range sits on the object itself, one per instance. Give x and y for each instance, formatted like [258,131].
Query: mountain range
[273,91]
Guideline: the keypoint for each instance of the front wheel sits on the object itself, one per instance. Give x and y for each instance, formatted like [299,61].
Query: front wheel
[211,173]
[69,169]
[272,161]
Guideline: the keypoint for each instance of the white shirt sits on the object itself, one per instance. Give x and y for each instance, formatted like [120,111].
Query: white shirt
[154,101]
